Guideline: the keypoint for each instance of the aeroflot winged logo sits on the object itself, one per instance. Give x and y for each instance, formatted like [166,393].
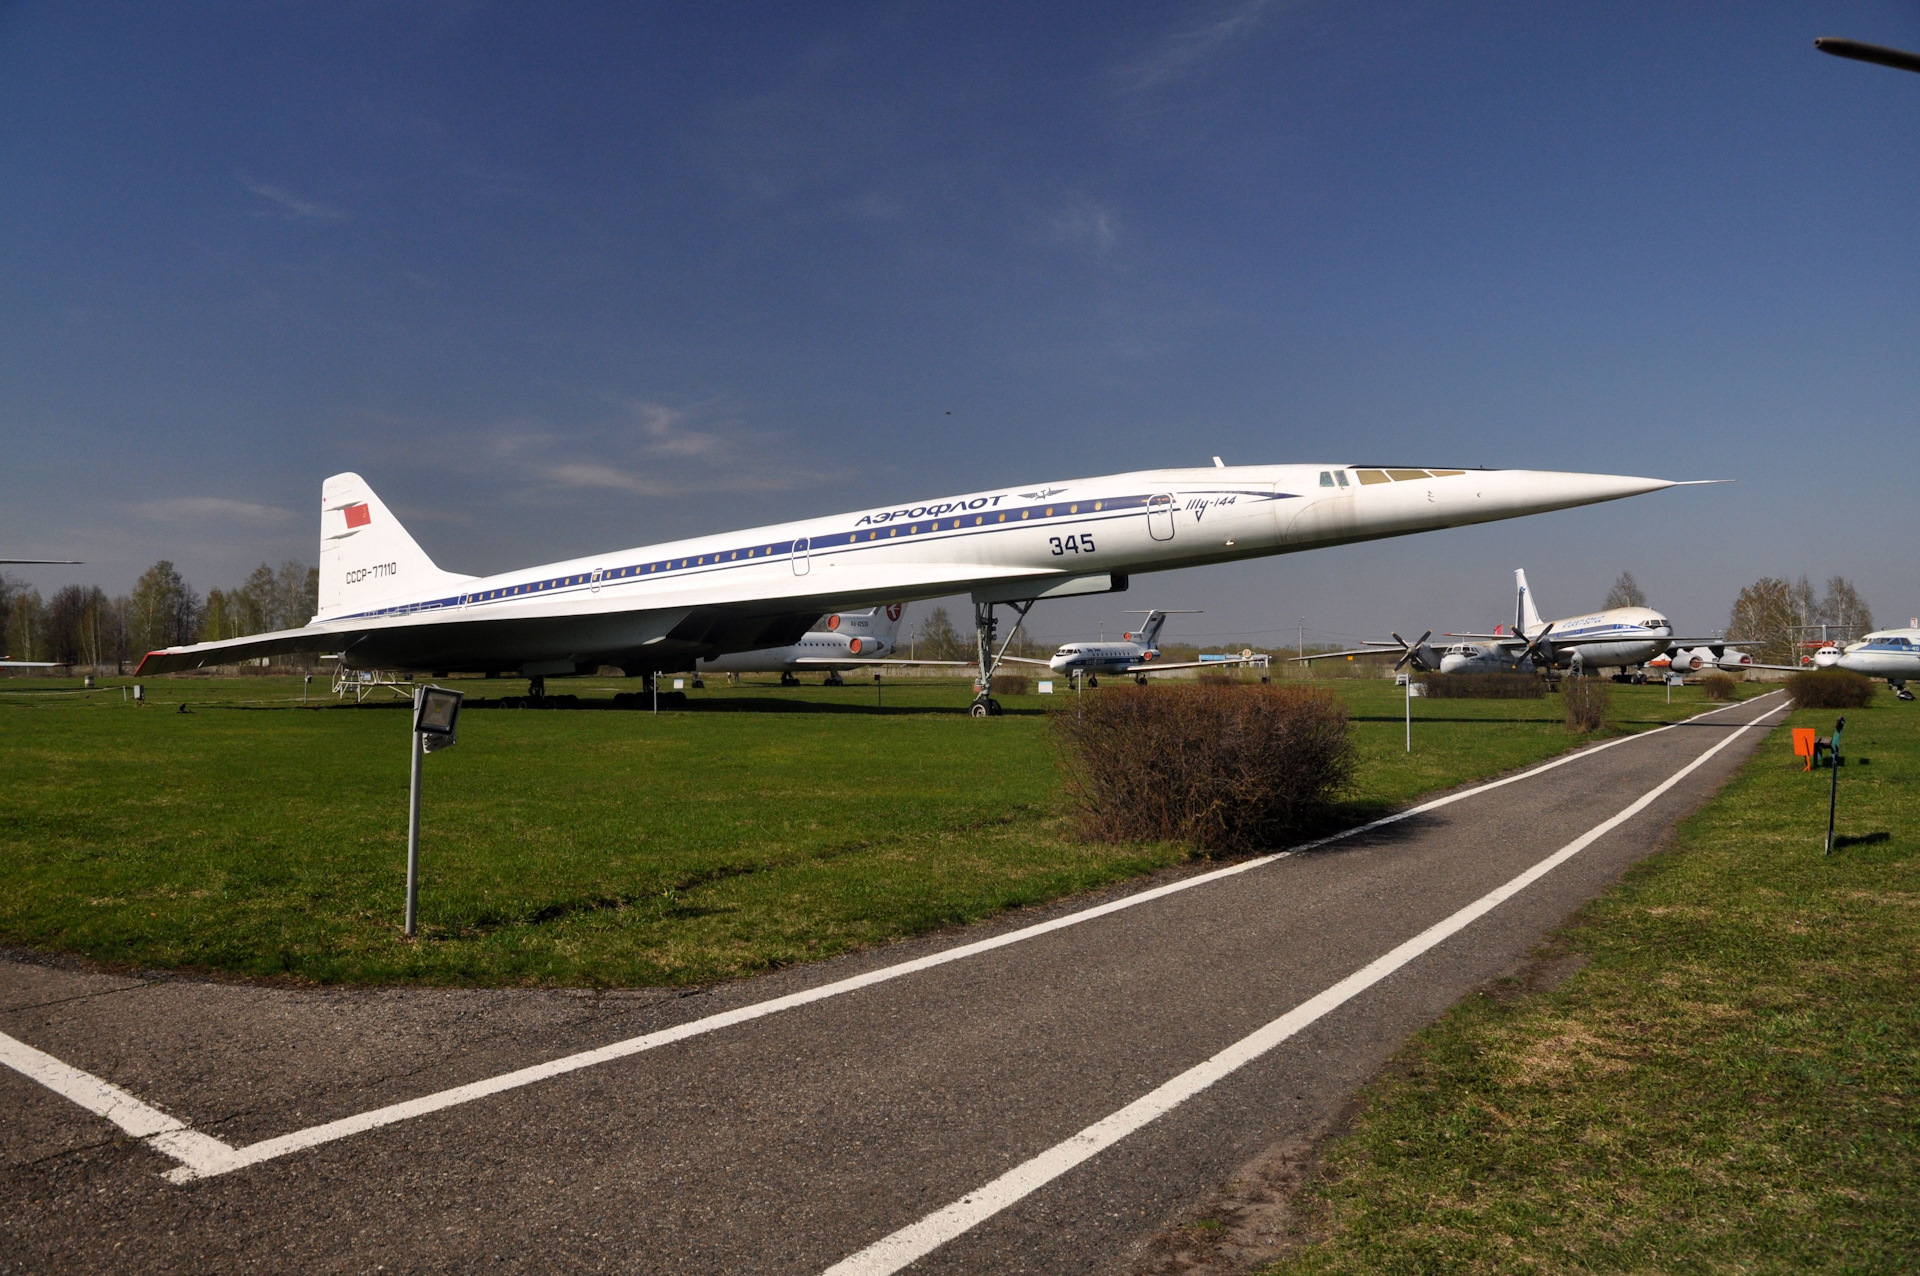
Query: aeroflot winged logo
[1042,494]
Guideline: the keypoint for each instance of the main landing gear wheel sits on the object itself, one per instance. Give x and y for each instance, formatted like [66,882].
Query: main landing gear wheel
[788,680]
[987,708]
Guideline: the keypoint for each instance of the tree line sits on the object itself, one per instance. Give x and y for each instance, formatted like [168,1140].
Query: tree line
[82,626]
[1772,616]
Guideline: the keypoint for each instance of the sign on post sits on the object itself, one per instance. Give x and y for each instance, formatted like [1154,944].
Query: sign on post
[435,711]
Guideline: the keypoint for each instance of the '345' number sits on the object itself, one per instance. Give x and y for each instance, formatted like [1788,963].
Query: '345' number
[1081,544]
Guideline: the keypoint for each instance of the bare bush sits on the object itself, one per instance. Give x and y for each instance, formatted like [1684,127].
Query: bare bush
[1009,684]
[1720,686]
[1830,689]
[1586,701]
[1485,686]
[1224,768]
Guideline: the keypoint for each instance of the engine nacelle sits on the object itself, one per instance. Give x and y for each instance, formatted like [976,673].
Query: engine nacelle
[1734,661]
[1686,660]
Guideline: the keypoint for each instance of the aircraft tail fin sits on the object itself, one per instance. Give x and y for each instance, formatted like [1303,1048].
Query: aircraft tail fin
[1526,616]
[886,622]
[367,558]
[1149,635]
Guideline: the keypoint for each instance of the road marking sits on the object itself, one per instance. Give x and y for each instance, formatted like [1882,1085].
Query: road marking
[142,1120]
[203,1156]
[891,1253]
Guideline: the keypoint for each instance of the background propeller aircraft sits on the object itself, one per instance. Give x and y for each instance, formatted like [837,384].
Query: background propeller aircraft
[385,605]
[1627,638]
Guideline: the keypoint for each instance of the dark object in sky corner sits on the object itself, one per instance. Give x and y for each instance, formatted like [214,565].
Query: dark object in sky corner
[1899,59]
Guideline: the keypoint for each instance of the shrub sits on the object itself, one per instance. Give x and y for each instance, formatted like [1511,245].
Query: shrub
[1485,686]
[1009,684]
[1830,689]
[1222,768]
[1586,701]
[1720,686]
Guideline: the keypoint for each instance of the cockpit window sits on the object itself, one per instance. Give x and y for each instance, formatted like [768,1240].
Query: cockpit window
[1658,622]
[1326,478]
[1342,476]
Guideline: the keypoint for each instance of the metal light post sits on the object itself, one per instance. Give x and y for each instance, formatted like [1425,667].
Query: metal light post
[435,711]
[1833,793]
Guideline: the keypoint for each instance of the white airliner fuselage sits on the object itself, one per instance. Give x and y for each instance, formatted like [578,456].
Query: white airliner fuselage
[384,605]
[1893,654]
[844,640]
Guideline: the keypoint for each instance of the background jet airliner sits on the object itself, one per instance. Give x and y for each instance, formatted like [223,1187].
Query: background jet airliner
[1135,653]
[385,605]
[843,640]
[1893,654]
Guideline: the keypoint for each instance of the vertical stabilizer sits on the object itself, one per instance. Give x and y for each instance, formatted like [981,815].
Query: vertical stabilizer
[1526,617]
[1149,635]
[887,622]
[367,560]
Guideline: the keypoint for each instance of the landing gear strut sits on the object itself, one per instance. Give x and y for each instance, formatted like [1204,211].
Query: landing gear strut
[788,680]
[834,679]
[985,626]
[536,688]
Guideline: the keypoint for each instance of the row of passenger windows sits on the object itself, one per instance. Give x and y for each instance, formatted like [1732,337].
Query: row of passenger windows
[701,560]
[1328,478]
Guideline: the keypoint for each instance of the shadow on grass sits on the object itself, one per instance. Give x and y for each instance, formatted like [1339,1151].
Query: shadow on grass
[1842,841]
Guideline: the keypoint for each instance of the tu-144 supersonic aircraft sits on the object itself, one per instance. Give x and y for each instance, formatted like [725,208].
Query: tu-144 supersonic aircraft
[385,605]
[1626,638]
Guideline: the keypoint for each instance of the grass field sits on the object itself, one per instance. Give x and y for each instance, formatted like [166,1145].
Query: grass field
[1730,1084]
[760,827]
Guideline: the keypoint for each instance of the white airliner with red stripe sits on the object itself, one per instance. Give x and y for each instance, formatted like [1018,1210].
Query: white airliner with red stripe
[845,640]
[385,605]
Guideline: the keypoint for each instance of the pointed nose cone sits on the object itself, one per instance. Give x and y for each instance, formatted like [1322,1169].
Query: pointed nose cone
[1511,493]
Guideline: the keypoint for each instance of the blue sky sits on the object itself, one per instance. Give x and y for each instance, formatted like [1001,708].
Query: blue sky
[564,278]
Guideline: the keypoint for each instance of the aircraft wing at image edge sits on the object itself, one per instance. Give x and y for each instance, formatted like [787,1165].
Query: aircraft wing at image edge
[384,604]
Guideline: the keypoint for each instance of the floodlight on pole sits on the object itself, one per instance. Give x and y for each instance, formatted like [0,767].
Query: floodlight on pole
[436,710]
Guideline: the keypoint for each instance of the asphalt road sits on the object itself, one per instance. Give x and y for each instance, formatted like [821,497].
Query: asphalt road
[789,1142]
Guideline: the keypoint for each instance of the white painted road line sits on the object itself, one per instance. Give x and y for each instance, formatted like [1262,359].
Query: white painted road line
[891,1253]
[203,1156]
[142,1120]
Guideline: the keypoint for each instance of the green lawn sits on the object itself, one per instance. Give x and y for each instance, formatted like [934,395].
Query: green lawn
[761,827]
[1730,1084]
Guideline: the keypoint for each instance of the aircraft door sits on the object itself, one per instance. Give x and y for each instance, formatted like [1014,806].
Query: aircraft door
[802,561]
[1160,517]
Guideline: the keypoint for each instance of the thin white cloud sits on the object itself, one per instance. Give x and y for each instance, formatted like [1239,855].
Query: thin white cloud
[213,507]
[653,449]
[1183,53]
[288,205]
[1086,223]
